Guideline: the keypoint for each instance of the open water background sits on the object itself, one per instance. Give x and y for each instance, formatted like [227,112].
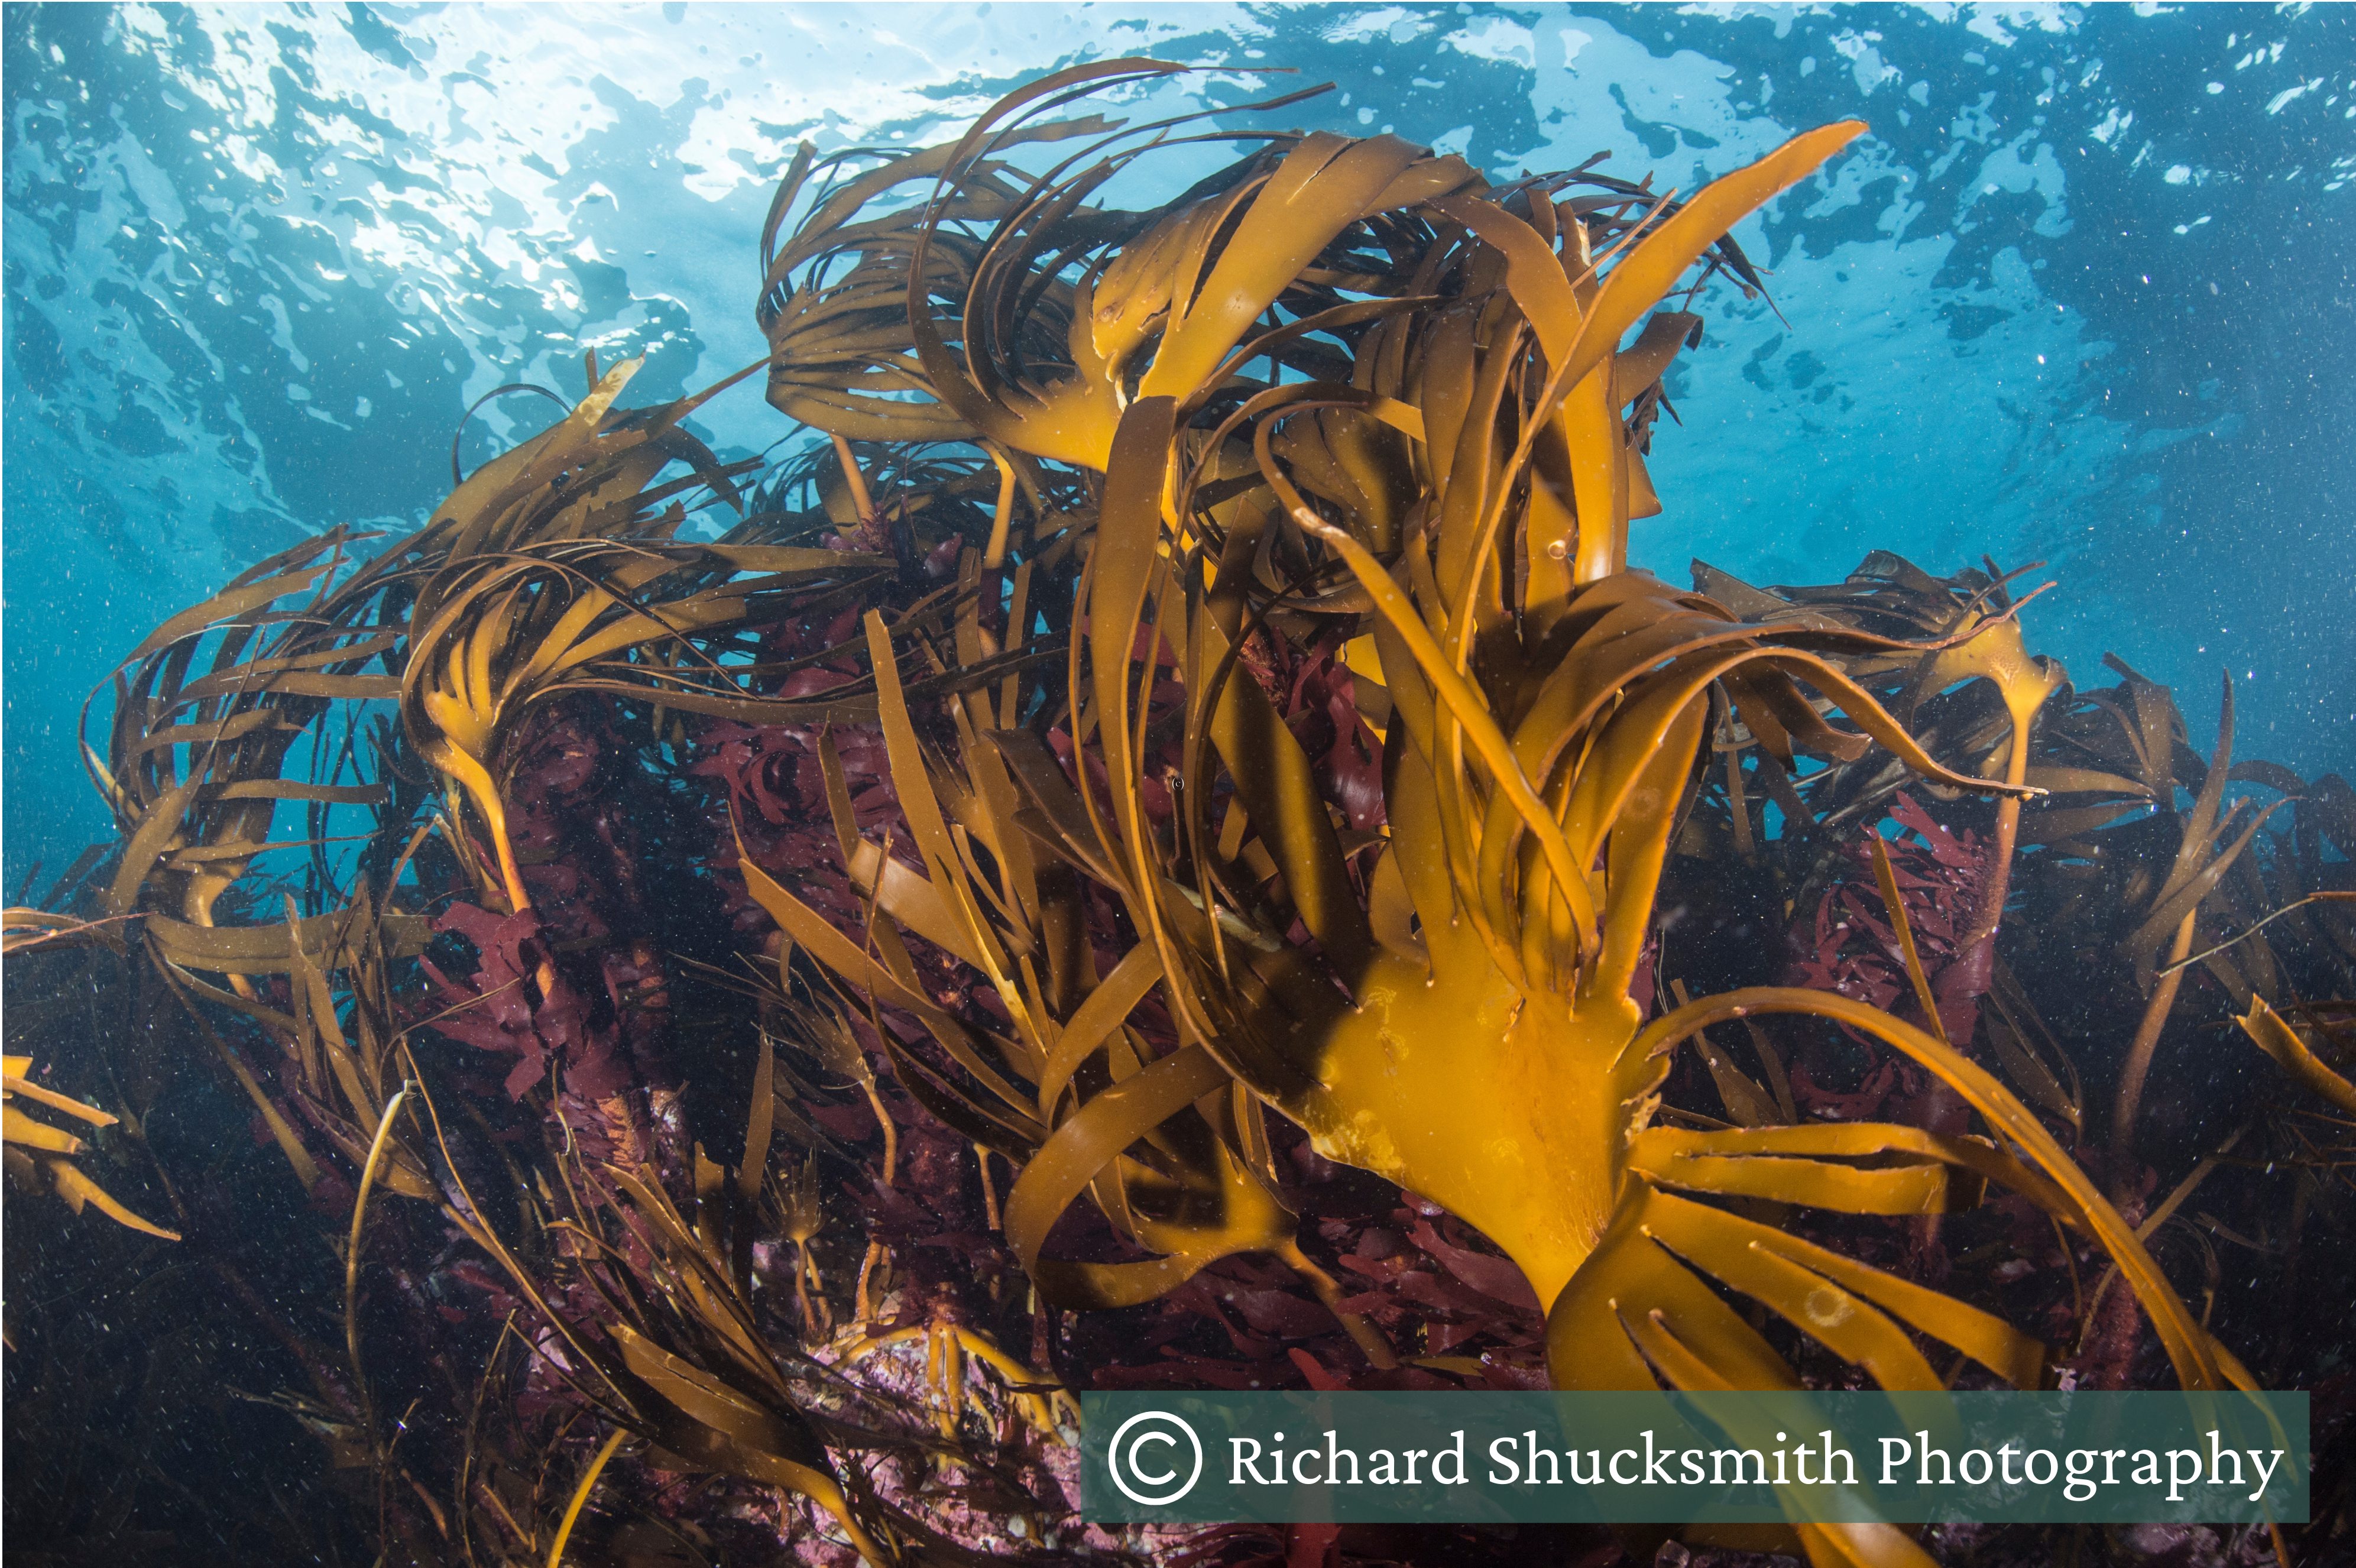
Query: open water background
[2084,297]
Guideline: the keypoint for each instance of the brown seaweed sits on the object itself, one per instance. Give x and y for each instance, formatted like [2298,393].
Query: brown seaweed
[1173,800]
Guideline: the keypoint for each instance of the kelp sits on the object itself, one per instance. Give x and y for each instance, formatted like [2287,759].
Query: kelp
[1195,1196]
[1970,651]
[1547,718]
[1182,731]
[40,1154]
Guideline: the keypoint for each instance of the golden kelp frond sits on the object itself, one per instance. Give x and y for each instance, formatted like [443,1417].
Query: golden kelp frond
[196,753]
[1543,740]
[1078,1100]
[346,1070]
[2213,837]
[1459,1019]
[508,633]
[1506,1019]
[23,928]
[2275,1035]
[2041,1171]
[2104,752]
[226,712]
[2117,837]
[2246,962]
[1530,866]
[1006,253]
[555,568]
[40,1157]
[2150,872]
[1958,675]
[1034,316]
[1166,289]
[196,750]
[834,295]
[584,478]
[1886,594]
[681,1359]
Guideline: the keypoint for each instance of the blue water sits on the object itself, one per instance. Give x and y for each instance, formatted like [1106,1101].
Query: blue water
[2084,297]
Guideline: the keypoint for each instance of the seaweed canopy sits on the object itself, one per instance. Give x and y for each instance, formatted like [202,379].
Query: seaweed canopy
[1223,723]
[2112,756]
[1344,396]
